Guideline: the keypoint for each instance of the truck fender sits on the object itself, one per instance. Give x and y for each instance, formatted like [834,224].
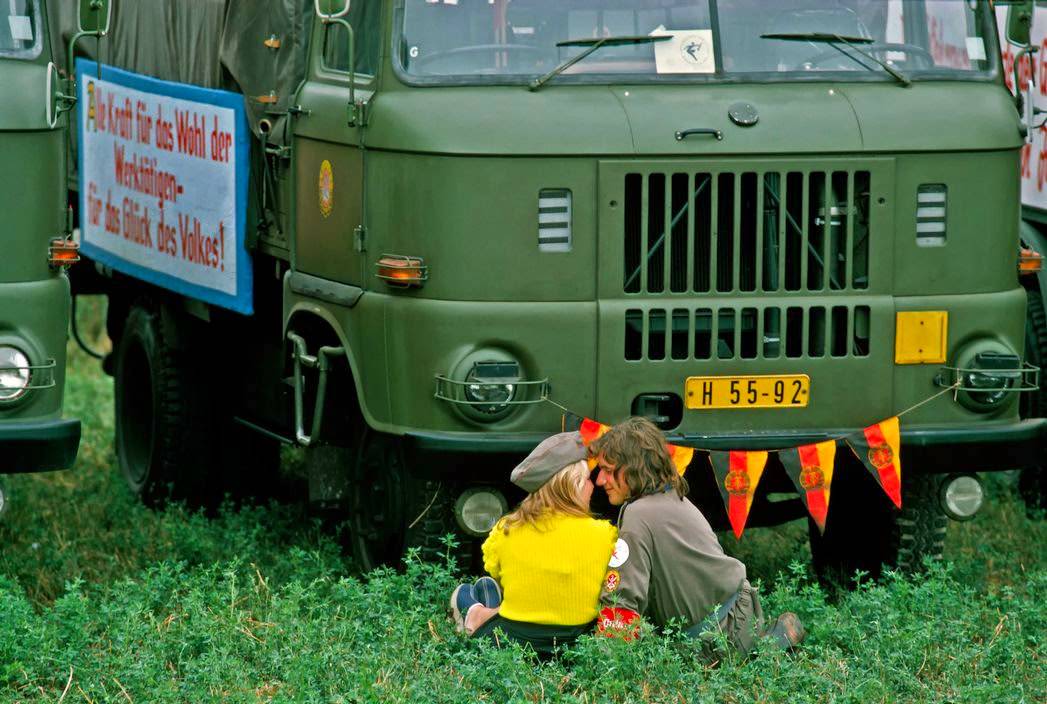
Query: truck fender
[318,327]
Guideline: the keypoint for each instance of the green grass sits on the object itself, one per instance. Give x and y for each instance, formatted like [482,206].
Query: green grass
[104,600]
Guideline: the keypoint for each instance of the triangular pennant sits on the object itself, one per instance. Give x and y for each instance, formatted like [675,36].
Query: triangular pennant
[737,474]
[811,469]
[590,430]
[878,447]
[681,456]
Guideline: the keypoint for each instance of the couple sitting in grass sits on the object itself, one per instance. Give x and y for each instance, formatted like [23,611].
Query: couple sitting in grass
[556,572]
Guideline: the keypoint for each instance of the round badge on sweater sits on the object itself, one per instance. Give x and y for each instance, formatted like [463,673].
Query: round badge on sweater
[620,554]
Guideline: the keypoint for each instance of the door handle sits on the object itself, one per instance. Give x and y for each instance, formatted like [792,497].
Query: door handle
[684,134]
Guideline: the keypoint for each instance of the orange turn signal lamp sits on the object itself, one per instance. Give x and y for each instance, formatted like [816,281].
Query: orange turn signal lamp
[63,253]
[1029,262]
[402,271]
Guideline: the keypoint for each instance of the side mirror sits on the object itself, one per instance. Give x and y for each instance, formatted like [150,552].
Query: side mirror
[1019,22]
[95,16]
[332,12]
[331,9]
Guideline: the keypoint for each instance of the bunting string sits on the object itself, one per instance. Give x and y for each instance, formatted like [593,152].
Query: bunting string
[810,467]
[899,414]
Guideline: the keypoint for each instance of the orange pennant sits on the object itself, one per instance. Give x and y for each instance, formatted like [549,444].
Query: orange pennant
[737,474]
[879,449]
[811,469]
[590,430]
[681,457]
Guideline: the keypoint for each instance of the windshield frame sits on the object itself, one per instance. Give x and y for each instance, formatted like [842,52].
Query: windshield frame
[986,16]
[37,48]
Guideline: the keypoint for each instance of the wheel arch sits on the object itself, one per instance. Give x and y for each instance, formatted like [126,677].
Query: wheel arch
[318,327]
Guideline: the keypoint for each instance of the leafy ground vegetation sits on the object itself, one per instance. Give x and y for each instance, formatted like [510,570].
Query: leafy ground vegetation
[103,600]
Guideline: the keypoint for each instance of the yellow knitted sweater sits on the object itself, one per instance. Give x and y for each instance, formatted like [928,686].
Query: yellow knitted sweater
[551,573]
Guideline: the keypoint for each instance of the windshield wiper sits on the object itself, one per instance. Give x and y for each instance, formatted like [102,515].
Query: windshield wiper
[593,45]
[834,40]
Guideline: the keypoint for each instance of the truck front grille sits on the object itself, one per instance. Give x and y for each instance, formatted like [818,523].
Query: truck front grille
[746,231]
[765,332]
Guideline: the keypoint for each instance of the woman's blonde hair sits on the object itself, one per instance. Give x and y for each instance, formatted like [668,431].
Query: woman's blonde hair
[562,494]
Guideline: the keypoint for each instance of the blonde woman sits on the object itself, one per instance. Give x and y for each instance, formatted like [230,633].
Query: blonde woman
[546,560]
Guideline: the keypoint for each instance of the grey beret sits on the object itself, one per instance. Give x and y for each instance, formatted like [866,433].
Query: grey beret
[546,460]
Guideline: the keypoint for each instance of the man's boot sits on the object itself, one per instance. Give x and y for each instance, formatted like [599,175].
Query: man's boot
[788,632]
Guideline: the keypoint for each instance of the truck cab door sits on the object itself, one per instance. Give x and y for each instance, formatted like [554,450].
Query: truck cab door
[329,160]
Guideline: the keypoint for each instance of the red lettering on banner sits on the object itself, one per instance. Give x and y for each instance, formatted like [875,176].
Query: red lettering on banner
[1041,167]
[137,223]
[190,131]
[94,205]
[1025,159]
[199,248]
[166,242]
[143,124]
[141,174]
[1043,67]
[164,131]
[112,215]
[220,143]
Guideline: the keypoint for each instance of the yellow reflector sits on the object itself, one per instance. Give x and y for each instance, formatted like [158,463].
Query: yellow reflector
[921,337]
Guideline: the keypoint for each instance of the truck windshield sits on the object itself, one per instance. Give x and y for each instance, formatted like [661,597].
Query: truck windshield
[19,29]
[510,40]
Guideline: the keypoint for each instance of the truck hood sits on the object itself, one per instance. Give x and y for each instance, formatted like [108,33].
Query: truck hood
[644,119]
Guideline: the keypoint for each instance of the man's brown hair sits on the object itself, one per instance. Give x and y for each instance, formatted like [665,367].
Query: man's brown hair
[637,447]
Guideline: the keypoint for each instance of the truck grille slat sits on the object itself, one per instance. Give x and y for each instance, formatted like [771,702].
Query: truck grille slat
[748,333]
[728,232]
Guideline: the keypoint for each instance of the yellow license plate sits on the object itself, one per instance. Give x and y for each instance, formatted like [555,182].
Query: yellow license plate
[786,391]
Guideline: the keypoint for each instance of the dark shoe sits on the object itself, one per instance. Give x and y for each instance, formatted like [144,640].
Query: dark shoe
[788,632]
[488,592]
[462,599]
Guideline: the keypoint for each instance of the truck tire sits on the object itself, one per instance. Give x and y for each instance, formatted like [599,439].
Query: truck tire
[392,511]
[865,532]
[163,434]
[1032,482]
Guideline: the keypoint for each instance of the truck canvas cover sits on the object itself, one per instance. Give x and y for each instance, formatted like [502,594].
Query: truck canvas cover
[254,47]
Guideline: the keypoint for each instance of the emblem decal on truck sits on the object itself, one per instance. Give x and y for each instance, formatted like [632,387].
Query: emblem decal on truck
[326,188]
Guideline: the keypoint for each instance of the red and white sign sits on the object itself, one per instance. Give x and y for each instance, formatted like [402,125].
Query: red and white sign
[1034,154]
[163,184]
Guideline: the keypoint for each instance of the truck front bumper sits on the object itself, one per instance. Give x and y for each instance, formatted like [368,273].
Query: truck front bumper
[925,449]
[38,446]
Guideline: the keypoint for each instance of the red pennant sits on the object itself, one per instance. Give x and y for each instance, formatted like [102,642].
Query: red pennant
[878,447]
[811,469]
[737,474]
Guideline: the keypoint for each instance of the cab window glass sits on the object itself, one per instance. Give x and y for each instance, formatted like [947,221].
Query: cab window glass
[758,39]
[20,29]
[365,17]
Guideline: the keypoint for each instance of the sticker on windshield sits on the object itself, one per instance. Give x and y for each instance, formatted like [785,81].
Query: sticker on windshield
[686,51]
[975,48]
[21,28]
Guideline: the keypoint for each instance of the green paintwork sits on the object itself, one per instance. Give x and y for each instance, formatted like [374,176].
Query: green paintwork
[34,300]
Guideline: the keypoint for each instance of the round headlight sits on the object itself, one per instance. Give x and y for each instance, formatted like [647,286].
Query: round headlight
[995,383]
[15,373]
[489,398]
[478,510]
[962,496]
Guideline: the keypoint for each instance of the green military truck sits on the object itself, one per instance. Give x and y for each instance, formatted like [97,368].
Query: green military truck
[34,288]
[457,212]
